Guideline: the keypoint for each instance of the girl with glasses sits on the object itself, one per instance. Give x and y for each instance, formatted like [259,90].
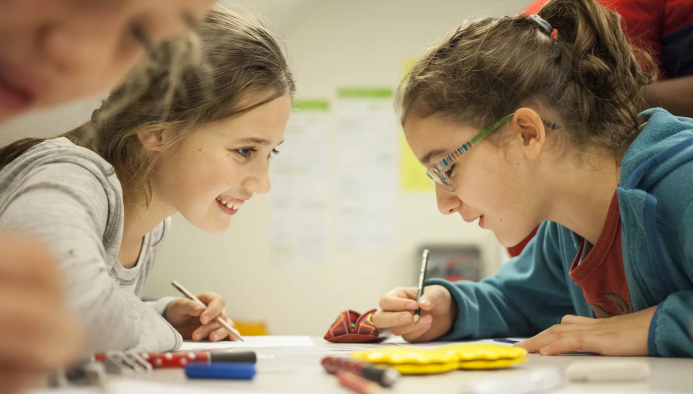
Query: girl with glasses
[527,120]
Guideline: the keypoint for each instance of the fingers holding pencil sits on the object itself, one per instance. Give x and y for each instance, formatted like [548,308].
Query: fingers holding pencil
[212,328]
[216,306]
[213,321]
[438,313]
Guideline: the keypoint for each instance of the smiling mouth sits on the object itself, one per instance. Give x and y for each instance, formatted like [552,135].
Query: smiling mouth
[231,204]
[17,90]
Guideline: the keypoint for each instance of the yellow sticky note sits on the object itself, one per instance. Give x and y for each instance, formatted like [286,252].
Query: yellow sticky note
[408,64]
[412,174]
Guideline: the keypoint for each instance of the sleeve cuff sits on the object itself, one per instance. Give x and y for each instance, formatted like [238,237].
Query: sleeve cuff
[161,304]
[652,334]
[457,330]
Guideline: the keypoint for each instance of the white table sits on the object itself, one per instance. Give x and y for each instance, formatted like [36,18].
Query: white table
[298,370]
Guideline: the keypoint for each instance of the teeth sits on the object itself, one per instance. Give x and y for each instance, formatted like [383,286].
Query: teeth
[230,204]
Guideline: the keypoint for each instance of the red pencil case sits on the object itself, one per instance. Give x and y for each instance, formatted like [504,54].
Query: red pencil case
[352,327]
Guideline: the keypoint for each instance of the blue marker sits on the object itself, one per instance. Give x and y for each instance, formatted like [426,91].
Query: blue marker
[240,371]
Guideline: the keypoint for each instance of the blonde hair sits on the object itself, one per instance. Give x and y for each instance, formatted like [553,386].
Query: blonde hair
[241,67]
[589,75]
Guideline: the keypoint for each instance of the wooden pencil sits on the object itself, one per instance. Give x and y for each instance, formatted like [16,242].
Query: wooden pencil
[218,319]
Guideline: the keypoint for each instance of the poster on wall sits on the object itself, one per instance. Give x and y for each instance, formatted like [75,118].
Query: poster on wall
[367,170]
[300,174]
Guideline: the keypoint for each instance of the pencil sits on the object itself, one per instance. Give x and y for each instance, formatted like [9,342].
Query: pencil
[219,320]
[506,340]
[419,290]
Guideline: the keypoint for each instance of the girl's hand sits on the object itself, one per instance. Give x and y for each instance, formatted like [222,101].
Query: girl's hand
[438,313]
[196,322]
[624,335]
[38,332]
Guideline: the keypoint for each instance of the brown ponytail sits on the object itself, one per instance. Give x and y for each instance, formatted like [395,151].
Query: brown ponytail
[605,64]
[586,73]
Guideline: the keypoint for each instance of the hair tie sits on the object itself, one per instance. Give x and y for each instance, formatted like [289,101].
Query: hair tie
[543,24]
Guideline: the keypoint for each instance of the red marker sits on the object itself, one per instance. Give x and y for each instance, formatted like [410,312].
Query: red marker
[357,383]
[182,359]
[386,377]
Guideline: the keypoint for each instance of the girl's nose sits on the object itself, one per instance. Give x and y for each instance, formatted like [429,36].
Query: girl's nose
[448,202]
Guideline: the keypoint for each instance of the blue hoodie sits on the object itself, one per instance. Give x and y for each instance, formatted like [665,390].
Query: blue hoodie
[534,291]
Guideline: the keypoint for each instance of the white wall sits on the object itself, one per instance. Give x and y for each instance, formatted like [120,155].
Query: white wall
[331,44]
[50,122]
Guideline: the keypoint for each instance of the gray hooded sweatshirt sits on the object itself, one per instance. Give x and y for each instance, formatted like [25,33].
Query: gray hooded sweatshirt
[70,198]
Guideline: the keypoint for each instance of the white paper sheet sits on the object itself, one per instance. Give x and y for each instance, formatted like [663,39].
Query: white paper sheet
[137,387]
[300,218]
[250,342]
[399,341]
[367,173]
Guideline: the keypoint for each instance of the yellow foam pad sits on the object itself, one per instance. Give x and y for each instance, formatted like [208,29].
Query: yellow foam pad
[423,369]
[403,355]
[413,361]
[495,364]
[488,352]
[428,369]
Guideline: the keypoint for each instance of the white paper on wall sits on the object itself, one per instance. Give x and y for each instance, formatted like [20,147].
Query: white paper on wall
[367,170]
[300,176]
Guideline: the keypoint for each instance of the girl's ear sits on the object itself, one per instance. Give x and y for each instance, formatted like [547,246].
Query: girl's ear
[529,128]
[154,139]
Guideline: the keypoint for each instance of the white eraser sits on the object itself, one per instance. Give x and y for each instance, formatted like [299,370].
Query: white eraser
[608,371]
[529,382]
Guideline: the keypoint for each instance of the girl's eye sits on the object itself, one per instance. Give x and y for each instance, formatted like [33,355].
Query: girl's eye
[448,173]
[274,152]
[245,152]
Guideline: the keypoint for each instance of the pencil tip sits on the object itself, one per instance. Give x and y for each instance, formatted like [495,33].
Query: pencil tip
[416,319]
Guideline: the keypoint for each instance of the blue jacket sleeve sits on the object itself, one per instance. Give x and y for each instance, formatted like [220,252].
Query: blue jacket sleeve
[529,294]
[670,332]
[670,328]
